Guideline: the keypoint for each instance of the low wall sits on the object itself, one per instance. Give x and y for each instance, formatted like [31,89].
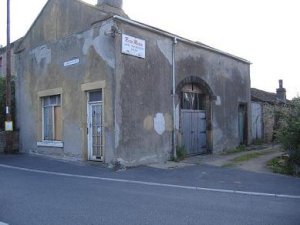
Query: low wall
[15,141]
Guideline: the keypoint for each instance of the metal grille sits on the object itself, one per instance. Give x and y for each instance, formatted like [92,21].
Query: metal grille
[96,126]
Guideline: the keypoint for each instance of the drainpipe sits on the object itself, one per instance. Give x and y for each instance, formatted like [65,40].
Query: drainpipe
[174,95]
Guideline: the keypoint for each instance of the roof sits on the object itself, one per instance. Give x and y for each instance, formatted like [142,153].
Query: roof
[107,12]
[124,18]
[12,45]
[178,38]
[263,96]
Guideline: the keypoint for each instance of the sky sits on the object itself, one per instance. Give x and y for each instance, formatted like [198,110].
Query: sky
[265,32]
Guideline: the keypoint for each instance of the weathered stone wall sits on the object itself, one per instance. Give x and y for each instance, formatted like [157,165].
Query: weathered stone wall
[15,136]
[3,65]
[228,79]
[137,92]
[257,121]
[42,70]
[143,94]
[268,122]
[143,100]
[58,20]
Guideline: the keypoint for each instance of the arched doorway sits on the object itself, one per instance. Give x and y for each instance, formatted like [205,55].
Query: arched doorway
[195,99]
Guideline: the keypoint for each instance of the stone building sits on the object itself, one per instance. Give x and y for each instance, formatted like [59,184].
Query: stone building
[3,59]
[96,85]
[264,106]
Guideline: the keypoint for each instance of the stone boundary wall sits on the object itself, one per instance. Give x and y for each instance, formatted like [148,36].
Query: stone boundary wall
[3,141]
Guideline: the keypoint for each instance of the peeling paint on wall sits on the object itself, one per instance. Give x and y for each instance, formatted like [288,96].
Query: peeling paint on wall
[101,43]
[218,101]
[169,122]
[148,123]
[166,49]
[42,53]
[159,123]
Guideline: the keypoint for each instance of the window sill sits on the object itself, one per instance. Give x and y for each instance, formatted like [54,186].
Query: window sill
[56,144]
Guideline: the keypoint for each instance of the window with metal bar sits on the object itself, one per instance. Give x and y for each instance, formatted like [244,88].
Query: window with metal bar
[193,101]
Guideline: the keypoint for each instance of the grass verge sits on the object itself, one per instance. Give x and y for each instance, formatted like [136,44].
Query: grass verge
[244,158]
[280,165]
[240,148]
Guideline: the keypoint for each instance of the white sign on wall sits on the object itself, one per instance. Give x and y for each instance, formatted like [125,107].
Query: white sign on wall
[133,46]
[9,126]
[71,62]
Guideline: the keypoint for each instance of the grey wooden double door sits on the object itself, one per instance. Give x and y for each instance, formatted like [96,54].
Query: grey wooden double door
[193,127]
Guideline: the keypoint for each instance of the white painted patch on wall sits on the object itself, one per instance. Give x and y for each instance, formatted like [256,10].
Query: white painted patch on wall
[40,53]
[102,44]
[166,49]
[1,223]
[159,123]
[218,101]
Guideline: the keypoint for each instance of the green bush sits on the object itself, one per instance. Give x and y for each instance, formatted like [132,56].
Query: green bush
[240,148]
[281,165]
[180,153]
[288,133]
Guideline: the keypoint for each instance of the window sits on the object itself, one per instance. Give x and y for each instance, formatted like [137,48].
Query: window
[52,118]
[193,101]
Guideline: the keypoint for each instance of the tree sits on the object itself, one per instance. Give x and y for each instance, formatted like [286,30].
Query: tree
[288,132]
[3,102]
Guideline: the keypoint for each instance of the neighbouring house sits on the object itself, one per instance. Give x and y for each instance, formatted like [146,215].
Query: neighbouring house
[264,105]
[96,85]
[3,73]
[3,59]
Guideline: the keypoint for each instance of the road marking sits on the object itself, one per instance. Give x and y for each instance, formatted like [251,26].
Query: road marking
[196,188]
[1,223]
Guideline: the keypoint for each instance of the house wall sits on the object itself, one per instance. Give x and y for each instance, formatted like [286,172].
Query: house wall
[3,62]
[42,72]
[143,95]
[257,121]
[137,92]
[229,80]
[59,19]
[268,122]
[143,100]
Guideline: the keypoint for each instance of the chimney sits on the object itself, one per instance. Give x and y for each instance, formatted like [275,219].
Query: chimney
[113,3]
[112,7]
[281,92]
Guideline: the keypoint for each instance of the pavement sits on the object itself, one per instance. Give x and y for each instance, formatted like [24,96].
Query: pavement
[257,164]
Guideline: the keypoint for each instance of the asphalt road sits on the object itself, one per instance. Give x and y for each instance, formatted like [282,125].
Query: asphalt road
[40,191]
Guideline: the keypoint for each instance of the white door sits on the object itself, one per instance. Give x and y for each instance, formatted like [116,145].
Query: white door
[94,126]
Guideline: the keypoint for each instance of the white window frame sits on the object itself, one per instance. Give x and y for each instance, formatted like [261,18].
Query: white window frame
[89,138]
[41,96]
[53,117]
